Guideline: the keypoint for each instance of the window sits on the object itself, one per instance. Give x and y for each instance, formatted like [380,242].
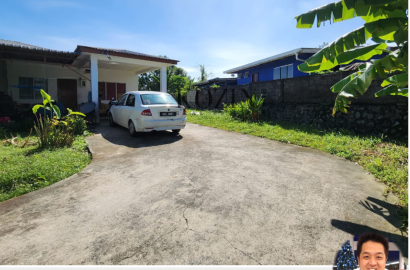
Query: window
[247,74]
[30,87]
[290,71]
[122,100]
[148,99]
[283,72]
[240,76]
[131,100]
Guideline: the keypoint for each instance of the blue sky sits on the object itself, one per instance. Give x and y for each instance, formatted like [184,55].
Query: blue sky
[221,34]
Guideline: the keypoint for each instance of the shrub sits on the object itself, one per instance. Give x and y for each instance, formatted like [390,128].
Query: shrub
[251,109]
[255,107]
[54,131]
[77,124]
[2,133]
[22,125]
[239,111]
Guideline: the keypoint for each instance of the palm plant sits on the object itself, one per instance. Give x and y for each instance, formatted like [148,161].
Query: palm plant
[255,107]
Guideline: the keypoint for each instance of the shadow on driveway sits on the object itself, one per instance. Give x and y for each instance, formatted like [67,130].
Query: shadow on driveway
[120,136]
[384,209]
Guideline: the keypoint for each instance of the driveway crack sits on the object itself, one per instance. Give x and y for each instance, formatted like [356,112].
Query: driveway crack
[230,243]
[191,204]
[188,228]
[146,243]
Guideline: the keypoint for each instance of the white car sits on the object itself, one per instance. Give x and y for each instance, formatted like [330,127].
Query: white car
[146,111]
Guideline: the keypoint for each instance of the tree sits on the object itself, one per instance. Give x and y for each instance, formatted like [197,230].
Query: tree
[177,80]
[324,44]
[386,21]
[346,259]
[204,75]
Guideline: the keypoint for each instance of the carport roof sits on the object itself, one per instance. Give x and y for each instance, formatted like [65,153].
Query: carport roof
[124,53]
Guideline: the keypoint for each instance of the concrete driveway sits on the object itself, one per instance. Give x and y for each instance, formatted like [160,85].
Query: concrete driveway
[206,196]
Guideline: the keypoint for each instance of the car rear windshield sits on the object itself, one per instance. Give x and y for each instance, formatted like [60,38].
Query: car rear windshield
[150,99]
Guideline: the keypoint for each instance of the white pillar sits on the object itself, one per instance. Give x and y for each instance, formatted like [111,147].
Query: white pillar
[163,80]
[94,85]
[134,81]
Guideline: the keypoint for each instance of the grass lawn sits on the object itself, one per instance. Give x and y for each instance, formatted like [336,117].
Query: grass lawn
[29,168]
[386,160]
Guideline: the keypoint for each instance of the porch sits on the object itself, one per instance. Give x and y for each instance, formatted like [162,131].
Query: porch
[73,78]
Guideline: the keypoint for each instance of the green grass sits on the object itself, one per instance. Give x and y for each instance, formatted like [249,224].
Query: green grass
[386,160]
[23,170]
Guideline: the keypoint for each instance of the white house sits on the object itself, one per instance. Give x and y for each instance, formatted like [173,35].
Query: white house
[69,77]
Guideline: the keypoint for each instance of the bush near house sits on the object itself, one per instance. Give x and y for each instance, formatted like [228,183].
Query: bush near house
[387,160]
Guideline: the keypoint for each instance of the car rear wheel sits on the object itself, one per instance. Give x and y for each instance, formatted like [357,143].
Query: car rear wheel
[131,129]
[111,120]
[176,131]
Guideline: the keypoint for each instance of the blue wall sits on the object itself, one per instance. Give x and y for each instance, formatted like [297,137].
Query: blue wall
[266,70]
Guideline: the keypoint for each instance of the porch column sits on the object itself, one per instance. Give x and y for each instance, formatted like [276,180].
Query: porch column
[94,85]
[163,80]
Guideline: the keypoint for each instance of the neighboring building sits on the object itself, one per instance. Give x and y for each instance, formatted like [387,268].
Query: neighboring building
[281,66]
[216,81]
[69,77]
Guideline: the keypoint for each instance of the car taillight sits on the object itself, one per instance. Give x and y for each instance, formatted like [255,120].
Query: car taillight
[184,113]
[146,112]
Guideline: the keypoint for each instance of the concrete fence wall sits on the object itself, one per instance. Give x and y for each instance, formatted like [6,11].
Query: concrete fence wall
[308,100]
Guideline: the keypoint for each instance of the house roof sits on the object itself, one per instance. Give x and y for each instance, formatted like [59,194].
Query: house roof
[273,58]
[351,67]
[124,53]
[214,80]
[22,45]
[21,51]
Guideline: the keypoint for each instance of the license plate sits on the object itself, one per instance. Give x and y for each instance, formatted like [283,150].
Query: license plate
[167,113]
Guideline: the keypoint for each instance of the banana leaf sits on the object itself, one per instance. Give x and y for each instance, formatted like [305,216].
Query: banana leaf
[368,10]
[363,54]
[392,90]
[399,80]
[358,82]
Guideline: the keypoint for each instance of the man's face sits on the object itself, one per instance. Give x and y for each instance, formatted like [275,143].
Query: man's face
[372,256]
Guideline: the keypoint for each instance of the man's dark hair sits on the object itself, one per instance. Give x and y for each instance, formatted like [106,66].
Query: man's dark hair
[374,237]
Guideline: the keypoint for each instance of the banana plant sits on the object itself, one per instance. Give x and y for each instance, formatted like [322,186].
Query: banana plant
[54,131]
[386,21]
[47,105]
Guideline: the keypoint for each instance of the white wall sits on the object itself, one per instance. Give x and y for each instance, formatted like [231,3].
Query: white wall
[16,69]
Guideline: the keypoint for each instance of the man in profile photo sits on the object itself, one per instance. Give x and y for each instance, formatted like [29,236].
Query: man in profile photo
[372,251]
